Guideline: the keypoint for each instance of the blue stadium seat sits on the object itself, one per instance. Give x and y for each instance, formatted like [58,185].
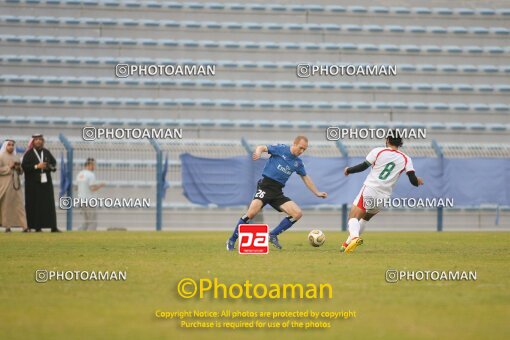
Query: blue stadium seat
[421,106]
[333,27]
[310,46]
[162,122]
[416,29]
[496,50]
[249,25]
[298,124]
[431,48]
[75,21]
[454,49]
[480,107]
[331,46]
[437,126]
[114,122]
[486,11]
[457,30]
[271,45]
[150,23]
[395,28]
[206,122]
[284,124]
[401,86]
[368,47]
[500,30]
[152,122]
[250,45]
[423,87]
[401,10]
[324,105]
[484,88]
[475,127]
[502,88]
[440,106]
[171,23]
[379,10]
[473,49]
[382,86]
[226,123]
[357,9]
[469,68]
[22,120]
[382,106]
[499,107]
[465,11]
[488,68]
[273,26]
[170,43]
[105,41]
[498,127]
[246,124]
[459,107]
[277,8]
[35,20]
[408,67]
[399,105]
[411,48]
[389,48]
[442,11]
[464,87]
[322,85]
[443,87]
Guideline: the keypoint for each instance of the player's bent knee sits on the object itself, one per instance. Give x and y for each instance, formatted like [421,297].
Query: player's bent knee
[297,215]
[356,212]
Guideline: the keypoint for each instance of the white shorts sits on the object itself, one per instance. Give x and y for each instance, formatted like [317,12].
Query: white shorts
[370,200]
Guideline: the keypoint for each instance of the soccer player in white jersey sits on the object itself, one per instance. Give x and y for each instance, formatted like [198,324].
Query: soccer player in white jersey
[387,165]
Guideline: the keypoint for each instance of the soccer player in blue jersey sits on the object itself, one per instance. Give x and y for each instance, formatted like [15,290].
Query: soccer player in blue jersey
[279,167]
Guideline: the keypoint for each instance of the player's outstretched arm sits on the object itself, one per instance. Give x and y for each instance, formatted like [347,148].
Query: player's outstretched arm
[357,168]
[311,186]
[258,151]
[416,181]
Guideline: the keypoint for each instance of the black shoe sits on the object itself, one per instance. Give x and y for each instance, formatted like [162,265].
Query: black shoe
[38,230]
[56,230]
[7,230]
[273,239]
[26,230]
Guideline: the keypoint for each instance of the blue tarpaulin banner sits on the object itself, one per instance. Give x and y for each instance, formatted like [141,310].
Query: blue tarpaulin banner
[232,181]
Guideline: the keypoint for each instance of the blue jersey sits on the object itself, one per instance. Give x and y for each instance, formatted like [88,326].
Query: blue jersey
[282,163]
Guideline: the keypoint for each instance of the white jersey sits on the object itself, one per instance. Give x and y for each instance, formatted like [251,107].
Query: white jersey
[84,180]
[387,165]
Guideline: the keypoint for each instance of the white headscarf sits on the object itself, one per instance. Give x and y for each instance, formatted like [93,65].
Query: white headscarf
[4,147]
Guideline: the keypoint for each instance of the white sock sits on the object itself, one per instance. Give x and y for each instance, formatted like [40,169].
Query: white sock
[354,228]
[362,225]
[348,240]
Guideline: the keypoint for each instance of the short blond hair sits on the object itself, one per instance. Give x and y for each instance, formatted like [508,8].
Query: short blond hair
[300,138]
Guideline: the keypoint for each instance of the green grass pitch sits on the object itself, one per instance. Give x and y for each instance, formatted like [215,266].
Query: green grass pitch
[155,262]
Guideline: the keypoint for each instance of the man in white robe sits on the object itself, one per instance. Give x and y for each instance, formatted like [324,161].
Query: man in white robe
[12,207]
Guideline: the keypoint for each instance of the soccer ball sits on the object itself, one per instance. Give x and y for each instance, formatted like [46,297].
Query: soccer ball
[316,238]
